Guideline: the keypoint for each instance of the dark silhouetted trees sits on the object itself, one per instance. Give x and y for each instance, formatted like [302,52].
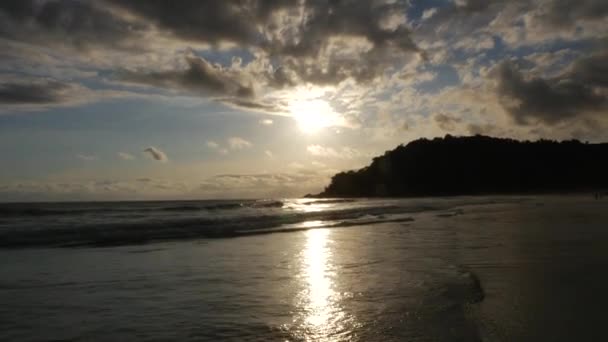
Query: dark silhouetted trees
[477,165]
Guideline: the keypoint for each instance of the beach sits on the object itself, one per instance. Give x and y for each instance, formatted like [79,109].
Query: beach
[510,268]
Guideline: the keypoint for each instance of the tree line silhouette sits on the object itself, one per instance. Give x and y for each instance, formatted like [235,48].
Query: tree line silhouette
[477,165]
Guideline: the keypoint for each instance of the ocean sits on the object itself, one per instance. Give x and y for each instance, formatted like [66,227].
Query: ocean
[493,268]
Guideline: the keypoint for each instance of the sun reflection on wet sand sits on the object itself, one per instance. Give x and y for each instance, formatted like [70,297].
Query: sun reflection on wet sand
[322,318]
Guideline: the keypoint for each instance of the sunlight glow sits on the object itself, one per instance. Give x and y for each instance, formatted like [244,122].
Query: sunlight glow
[311,109]
[312,115]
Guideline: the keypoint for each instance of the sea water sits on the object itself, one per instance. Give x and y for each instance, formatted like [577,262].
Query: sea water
[434,269]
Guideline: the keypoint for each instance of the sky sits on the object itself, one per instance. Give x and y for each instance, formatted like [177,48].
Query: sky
[189,99]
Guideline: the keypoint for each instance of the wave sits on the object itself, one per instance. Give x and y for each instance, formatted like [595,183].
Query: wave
[332,201]
[120,232]
[267,204]
[145,207]
[145,222]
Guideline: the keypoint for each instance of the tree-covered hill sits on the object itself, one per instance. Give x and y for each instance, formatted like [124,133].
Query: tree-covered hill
[477,165]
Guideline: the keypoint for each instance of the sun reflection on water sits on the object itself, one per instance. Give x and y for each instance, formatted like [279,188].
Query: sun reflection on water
[322,317]
[309,206]
[319,283]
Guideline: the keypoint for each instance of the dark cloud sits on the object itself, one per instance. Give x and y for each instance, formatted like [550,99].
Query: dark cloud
[249,22]
[308,52]
[253,105]
[297,48]
[592,70]
[38,92]
[557,13]
[367,19]
[281,78]
[482,129]
[322,42]
[65,22]
[568,13]
[446,122]
[579,92]
[156,154]
[200,77]
[299,41]
[517,22]
[214,22]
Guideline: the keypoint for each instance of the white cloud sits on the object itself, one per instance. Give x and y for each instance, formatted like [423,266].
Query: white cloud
[269,154]
[266,122]
[429,13]
[237,143]
[329,152]
[104,189]
[291,184]
[125,156]
[217,147]
[86,157]
[295,165]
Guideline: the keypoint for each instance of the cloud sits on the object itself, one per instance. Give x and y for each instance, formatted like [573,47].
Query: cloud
[86,157]
[199,77]
[104,189]
[465,27]
[212,144]
[281,28]
[76,24]
[367,56]
[125,156]
[266,122]
[263,184]
[329,152]
[37,92]
[323,42]
[269,154]
[567,14]
[217,147]
[428,13]
[446,122]
[486,129]
[254,105]
[211,22]
[270,185]
[29,93]
[156,154]
[579,92]
[293,43]
[237,143]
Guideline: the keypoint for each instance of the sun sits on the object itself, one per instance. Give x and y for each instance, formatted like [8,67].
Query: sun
[313,115]
[311,109]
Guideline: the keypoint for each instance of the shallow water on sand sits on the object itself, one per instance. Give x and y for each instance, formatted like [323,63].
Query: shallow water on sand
[525,270]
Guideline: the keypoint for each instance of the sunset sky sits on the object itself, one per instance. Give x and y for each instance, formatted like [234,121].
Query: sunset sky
[160,99]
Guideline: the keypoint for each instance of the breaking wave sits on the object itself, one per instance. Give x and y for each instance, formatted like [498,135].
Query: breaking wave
[98,224]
